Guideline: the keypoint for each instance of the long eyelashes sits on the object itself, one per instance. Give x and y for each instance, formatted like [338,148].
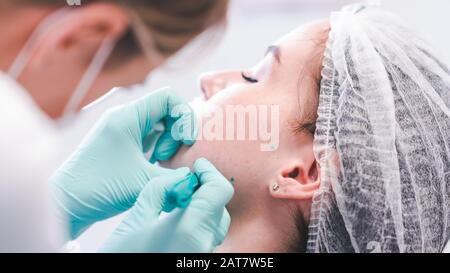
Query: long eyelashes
[248,79]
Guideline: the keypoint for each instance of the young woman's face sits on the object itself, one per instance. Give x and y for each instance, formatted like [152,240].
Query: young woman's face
[287,78]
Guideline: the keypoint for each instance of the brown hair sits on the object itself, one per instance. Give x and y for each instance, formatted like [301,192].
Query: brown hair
[171,24]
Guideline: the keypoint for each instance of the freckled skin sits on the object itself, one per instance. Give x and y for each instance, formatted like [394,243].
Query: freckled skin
[254,170]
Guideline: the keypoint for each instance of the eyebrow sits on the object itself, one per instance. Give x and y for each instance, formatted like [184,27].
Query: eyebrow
[276,52]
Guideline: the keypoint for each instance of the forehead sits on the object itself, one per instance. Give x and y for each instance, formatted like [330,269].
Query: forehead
[303,42]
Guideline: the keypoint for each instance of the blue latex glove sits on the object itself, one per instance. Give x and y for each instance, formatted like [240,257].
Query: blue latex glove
[108,170]
[200,227]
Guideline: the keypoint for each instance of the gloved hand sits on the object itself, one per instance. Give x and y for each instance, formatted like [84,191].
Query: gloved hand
[108,170]
[200,227]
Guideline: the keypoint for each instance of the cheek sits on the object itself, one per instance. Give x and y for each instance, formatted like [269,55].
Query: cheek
[234,159]
[239,94]
[241,160]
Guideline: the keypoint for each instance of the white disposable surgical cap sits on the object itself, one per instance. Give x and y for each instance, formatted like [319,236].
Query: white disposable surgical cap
[382,139]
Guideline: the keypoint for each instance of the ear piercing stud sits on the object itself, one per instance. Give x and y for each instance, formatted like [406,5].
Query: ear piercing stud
[275,187]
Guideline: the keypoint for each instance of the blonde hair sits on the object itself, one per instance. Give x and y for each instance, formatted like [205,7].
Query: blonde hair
[167,24]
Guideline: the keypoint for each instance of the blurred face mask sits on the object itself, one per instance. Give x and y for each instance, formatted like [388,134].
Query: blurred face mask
[87,79]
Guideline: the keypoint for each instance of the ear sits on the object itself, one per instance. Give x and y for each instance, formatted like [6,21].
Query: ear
[81,32]
[298,182]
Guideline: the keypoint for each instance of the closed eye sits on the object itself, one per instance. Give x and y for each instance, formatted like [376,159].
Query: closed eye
[248,79]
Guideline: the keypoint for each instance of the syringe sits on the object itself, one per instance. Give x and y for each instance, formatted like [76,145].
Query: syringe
[180,195]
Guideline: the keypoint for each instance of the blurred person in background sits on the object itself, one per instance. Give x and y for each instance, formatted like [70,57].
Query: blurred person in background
[57,58]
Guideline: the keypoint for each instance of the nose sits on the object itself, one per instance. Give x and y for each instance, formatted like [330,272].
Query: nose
[210,84]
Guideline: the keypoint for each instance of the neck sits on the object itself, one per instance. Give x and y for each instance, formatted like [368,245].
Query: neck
[275,231]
